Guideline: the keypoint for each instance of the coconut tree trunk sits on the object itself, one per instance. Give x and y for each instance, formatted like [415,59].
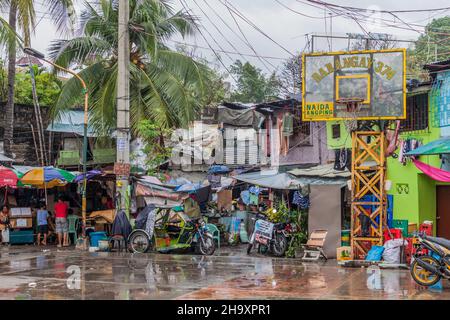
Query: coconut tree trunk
[9,125]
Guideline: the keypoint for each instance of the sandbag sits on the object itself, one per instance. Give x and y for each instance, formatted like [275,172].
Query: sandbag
[392,249]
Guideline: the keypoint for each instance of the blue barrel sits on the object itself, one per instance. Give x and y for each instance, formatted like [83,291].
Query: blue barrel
[96,237]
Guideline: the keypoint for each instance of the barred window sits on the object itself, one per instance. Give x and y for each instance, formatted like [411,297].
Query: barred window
[416,113]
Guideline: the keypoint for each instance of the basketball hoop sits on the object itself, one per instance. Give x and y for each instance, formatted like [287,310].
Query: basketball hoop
[352,108]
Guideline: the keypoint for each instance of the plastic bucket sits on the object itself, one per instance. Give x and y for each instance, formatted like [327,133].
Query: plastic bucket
[96,236]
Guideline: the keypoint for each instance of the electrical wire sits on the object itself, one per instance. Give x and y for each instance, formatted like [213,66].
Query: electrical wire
[219,58]
[226,39]
[230,6]
[246,42]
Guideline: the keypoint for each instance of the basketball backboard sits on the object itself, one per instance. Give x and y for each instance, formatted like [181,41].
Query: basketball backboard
[375,80]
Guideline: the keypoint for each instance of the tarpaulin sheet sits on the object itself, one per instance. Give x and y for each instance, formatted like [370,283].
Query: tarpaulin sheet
[240,117]
[271,179]
[439,146]
[434,173]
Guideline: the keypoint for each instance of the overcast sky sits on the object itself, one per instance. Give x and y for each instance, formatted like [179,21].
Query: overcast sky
[285,27]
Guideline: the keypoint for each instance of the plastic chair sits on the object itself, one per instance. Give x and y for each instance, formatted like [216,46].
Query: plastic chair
[73,221]
[215,232]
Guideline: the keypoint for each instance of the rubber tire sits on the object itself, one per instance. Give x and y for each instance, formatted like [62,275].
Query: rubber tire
[416,279]
[249,248]
[134,235]
[279,238]
[206,251]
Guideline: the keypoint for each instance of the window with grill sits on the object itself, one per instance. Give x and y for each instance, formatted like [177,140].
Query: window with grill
[416,113]
[302,133]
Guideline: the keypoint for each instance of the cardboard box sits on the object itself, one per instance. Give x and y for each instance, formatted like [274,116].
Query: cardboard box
[344,253]
[21,222]
[412,227]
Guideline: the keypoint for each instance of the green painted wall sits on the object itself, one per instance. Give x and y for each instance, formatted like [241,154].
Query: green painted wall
[344,141]
[419,203]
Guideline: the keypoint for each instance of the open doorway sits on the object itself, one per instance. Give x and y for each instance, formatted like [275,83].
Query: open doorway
[443,211]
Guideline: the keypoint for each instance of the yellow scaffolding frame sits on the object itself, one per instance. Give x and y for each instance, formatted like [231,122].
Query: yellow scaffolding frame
[368,178]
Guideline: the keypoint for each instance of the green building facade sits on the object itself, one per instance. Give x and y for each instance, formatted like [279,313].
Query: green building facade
[414,193]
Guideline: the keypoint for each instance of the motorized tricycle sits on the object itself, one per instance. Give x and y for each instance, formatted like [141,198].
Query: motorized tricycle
[167,228]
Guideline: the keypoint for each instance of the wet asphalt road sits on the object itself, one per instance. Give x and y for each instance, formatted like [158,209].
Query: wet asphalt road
[29,272]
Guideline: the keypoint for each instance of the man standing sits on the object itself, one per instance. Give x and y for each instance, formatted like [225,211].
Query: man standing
[62,228]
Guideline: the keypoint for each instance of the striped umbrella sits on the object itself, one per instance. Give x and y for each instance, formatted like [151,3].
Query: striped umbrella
[9,177]
[47,177]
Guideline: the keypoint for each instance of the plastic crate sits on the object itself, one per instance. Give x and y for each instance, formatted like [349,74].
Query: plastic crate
[401,224]
[396,234]
[427,228]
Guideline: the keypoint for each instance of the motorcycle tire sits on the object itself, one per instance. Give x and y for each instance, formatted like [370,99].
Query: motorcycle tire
[249,248]
[138,242]
[279,246]
[206,247]
[263,249]
[418,272]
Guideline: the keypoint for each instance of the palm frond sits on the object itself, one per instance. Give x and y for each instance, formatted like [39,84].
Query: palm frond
[72,91]
[78,50]
[63,14]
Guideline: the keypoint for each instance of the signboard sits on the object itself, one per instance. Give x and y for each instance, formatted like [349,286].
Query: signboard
[122,169]
[263,231]
[376,78]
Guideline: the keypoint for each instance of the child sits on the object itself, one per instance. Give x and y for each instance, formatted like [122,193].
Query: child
[42,216]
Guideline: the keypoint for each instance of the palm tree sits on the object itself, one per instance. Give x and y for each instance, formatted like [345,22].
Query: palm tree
[22,16]
[165,85]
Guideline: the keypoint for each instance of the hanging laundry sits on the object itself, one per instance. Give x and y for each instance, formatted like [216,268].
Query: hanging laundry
[254,190]
[245,197]
[288,124]
[301,201]
[406,146]
[254,199]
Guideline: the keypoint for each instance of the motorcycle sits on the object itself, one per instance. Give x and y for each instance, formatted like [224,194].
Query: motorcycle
[165,229]
[431,261]
[270,237]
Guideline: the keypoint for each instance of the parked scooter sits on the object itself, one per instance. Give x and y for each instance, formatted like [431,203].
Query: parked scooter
[431,260]
[270,237]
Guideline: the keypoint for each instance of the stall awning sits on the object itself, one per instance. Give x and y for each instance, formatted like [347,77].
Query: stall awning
[271,179]
[324,171]
[439,146]
[71,122]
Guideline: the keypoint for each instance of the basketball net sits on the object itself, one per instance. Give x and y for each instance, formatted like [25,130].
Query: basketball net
[352,109]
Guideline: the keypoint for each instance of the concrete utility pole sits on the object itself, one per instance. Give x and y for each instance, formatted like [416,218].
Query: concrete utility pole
[123,102]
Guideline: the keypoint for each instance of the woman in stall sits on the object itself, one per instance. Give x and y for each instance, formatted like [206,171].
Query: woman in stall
[4,224]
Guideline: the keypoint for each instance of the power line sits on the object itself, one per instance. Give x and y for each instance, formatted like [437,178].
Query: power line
[298,12]
[229,42]
[219,58]
[373,10]
[227,4]
[246,42]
